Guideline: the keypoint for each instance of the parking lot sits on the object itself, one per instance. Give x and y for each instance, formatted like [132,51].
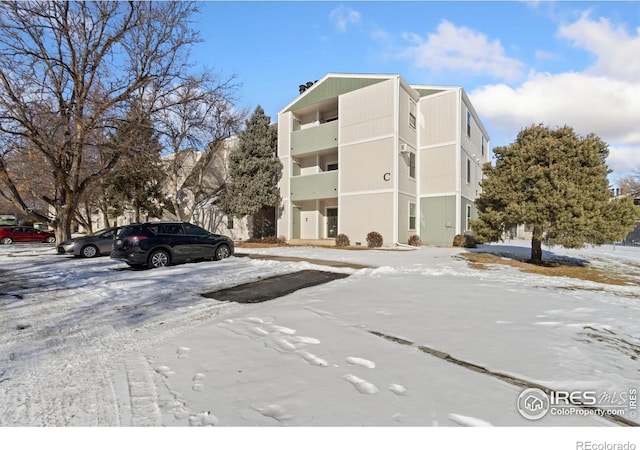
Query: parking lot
[94,342]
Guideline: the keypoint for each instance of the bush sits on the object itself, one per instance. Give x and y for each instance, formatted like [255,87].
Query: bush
[464,240]
[415,241]
[342,240]
[374,239]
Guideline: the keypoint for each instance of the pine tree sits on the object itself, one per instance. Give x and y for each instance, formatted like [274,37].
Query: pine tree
[138,179]
[556,182]
[254,171]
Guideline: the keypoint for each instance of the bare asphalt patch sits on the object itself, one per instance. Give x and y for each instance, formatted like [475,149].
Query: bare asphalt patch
[274,287]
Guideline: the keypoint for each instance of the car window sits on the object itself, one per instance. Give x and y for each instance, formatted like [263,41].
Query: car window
[194,230]
[131,231]
[108,234]
[171,228]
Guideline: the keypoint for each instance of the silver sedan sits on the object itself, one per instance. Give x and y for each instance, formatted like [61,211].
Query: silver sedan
[96,244]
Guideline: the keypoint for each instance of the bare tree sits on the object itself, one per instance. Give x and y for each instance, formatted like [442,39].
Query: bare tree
[193,122]
[630,184]
[68,71]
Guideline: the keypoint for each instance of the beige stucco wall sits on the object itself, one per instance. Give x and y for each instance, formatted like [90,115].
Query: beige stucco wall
[363,166]
[360,214]
[439,114]
[438,169]
[367,112]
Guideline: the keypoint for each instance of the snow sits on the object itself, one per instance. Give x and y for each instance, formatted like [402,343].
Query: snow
[94,343]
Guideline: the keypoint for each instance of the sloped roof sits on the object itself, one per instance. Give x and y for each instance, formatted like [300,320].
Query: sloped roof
[333,85]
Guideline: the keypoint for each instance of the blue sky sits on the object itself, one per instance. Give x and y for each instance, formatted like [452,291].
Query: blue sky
[574,63]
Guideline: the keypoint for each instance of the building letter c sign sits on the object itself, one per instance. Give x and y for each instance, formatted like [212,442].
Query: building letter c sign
[386,176]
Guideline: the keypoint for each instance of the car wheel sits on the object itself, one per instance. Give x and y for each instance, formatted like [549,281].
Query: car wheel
[89,251]
[6,241]
[159,258]
[50,240]
[222,252]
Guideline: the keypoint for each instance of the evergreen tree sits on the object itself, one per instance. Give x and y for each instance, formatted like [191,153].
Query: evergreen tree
[254,171]
[556,182]
[139,177]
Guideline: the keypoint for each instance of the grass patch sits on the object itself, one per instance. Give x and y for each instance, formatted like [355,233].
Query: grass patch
[482,261]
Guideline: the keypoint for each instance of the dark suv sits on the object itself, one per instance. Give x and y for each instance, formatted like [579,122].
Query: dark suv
[158,244]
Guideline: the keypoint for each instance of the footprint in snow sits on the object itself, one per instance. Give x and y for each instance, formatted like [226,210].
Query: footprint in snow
[259,331]
[255,320]
[361,362]
[362,386]
[165,370]
[284,344]
[203,419]
[198,382]
[283,330]
[398,389]
[305,340]
[275,412]
[183,352]
[313,359]
[467,421]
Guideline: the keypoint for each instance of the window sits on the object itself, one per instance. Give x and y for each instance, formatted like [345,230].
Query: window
[468,124]
[412,216]
[468,217]
[230,223]
[412,165]
[483,144]
[195,230]
[468,171]
[412,114]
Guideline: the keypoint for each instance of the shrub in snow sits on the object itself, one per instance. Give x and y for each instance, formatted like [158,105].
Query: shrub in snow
[342,240]
[415,241]
[374,239]
[464,240]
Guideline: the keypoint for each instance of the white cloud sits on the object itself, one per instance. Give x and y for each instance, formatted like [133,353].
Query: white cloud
[616,50]
[590,104]
[604,99]
[461,49]
[623,160]
[343,17]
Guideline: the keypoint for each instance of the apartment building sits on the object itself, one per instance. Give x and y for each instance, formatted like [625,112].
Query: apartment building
[365,153]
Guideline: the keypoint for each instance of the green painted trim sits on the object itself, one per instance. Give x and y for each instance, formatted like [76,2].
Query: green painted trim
[438,220]
[330,88]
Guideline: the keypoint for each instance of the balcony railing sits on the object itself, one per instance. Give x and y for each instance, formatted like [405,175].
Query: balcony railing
[310,187]
[313,139]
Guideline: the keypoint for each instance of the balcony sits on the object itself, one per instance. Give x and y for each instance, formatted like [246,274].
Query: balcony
[311,187]
[314,139]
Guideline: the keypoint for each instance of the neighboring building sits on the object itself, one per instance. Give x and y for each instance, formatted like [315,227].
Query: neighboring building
[8,219]
[368,153]
[205,213]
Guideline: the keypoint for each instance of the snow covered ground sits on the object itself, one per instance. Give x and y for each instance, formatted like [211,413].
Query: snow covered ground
[94,343]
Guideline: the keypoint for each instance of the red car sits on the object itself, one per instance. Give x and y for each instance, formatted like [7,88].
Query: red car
[25,234]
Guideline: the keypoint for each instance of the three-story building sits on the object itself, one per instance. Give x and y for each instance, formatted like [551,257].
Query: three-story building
[365,153]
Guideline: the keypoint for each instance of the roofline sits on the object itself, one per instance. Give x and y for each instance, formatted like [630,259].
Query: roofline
[335,75]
